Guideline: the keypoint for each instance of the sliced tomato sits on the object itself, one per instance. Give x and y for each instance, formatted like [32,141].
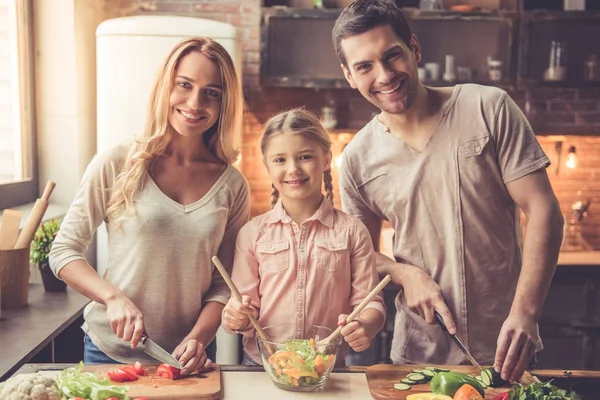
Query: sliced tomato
[139,369]
[131,372]
[114,376]
[167,371]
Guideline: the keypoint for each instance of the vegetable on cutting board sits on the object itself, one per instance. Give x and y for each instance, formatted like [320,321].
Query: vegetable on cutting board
[467,392]
[427,396]
[448,383]
[74,382]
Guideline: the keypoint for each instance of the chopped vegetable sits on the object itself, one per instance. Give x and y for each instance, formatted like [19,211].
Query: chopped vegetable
[448,383]
[167,371]
[467,392]
[428,396]
[139,369]
[73,382]
[401,386]
[29,387]
[299,363]
[502,396]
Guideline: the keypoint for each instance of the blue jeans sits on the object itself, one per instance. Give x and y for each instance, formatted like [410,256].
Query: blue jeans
[93,355]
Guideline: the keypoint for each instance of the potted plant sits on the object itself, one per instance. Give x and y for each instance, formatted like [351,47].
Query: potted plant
[40,249]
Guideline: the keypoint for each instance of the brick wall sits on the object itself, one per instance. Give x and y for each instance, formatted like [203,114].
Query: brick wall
[555,111]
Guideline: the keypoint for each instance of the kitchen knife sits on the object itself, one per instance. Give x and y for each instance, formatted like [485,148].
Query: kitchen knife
[456,340]
[157,352]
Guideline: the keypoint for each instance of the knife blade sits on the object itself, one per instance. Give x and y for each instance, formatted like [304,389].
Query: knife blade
[456,340]
[158,353]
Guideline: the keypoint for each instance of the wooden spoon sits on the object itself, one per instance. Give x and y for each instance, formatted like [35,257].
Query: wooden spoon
[357,310]
[238,296]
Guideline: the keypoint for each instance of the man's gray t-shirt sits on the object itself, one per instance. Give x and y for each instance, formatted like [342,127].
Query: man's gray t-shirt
[451,213]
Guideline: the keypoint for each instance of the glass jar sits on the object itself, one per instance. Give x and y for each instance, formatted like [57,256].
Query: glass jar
[557,67]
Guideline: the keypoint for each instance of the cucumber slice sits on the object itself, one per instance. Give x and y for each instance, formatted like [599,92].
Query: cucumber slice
[486,377]
[416,371]
[416,377]
[442,370]
[434,369]
[427,373]
[480,380]
[408,381]
[401,386]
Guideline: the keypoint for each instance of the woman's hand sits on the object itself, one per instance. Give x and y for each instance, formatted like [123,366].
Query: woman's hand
[125,319]
[192,355]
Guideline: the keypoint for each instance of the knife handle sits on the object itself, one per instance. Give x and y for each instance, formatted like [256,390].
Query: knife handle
[440,321]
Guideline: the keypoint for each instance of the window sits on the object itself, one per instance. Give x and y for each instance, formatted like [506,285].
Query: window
[18,183]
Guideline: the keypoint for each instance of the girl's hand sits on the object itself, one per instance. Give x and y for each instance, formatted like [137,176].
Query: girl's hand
[354,333]
[125,319]
[191,354]
[235,314]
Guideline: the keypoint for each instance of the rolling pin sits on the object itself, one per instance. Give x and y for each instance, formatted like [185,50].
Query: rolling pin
[35,218]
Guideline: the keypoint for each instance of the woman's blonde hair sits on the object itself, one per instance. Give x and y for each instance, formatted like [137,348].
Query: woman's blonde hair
[221,139]
[298,121]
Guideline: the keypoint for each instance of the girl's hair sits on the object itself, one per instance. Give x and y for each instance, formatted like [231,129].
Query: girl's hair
[221,139]
[298,122]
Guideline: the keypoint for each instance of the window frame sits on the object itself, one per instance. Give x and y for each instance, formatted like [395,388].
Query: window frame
[25,191]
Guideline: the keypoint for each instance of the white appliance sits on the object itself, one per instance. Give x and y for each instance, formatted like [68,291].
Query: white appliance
[129,51]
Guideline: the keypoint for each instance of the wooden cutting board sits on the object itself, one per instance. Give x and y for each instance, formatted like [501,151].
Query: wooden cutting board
[206,385]
[381,379]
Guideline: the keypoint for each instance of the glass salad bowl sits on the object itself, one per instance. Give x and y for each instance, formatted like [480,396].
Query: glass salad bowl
[293,361]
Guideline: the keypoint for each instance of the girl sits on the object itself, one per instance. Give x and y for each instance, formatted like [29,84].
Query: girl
[170,200]
[304,262]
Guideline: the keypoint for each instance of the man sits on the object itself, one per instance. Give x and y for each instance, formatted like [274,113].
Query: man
[449,169]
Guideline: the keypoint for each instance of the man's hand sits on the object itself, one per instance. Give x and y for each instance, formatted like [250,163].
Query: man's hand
[423,295]
[516,344]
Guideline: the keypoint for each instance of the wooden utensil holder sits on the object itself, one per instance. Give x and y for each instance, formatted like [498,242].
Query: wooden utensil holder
[14,278]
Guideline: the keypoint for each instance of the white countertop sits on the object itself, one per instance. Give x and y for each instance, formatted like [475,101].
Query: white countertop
[258,386]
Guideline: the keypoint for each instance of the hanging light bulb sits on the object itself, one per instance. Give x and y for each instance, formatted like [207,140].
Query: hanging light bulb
[571,158]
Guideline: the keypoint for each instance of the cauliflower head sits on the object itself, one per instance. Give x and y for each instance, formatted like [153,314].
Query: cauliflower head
[29,387]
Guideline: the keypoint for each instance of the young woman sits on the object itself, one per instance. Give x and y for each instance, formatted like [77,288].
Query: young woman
[304,262]
[171,200]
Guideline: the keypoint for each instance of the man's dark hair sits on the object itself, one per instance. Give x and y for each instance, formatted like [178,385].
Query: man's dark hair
[363,15]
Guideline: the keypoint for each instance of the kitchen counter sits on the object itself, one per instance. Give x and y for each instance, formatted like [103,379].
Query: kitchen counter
[578,258]
[252,383]
[349,383]
[25,331]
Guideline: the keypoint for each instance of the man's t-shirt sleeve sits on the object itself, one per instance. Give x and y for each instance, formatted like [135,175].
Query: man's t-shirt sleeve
[517,148]
[352,201]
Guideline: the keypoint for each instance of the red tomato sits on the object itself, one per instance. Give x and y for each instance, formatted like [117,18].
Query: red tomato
[125,374]
[139,369]
[502,396]
[113,376]
[131,372]
[167,371]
